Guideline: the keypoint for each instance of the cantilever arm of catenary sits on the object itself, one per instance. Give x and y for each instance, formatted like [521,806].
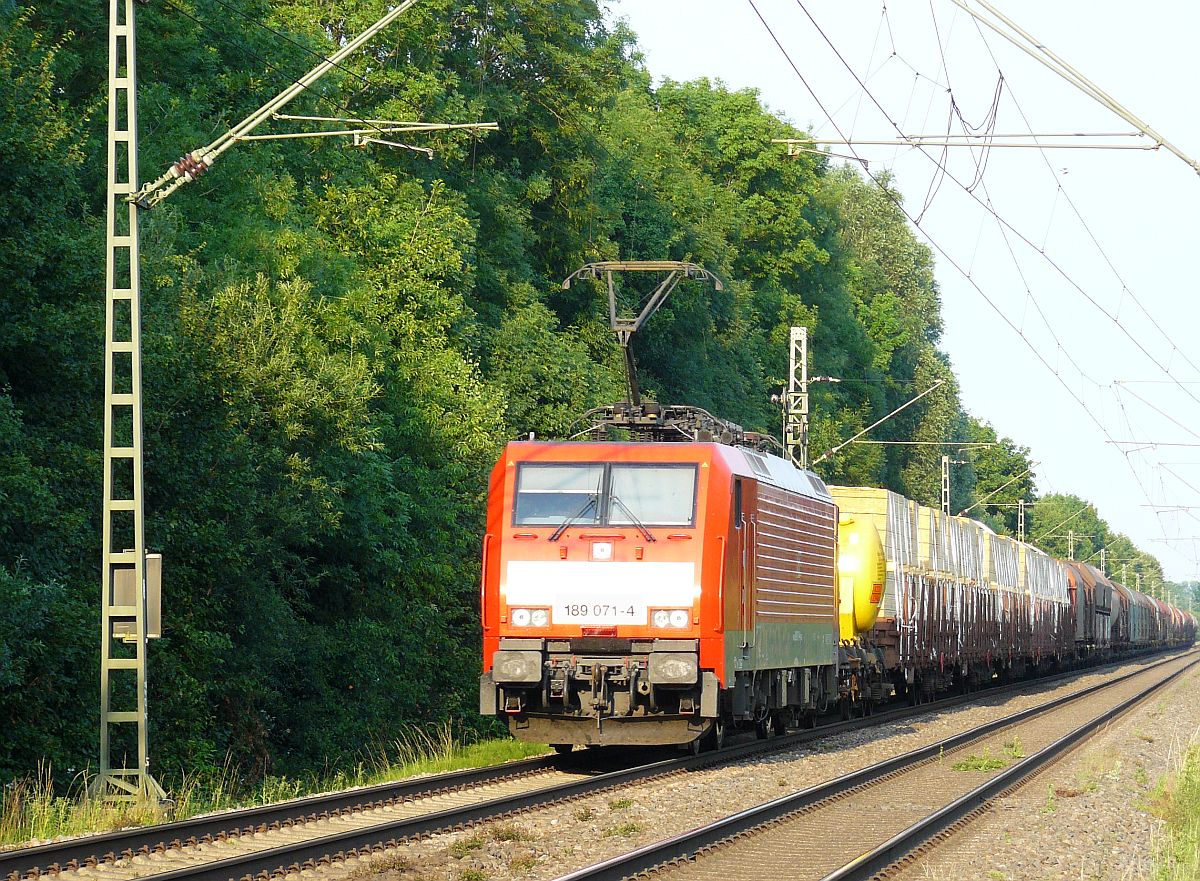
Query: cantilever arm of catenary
[1012,479]
[903,406]
[197,162]
[1038,50]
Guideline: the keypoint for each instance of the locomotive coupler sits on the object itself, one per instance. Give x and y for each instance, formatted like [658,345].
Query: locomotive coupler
[599,701]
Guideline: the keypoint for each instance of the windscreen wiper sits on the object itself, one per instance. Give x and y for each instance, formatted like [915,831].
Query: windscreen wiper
[554,536]
[633,518]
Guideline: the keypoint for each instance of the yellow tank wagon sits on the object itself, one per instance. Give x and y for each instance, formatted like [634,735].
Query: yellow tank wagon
[862,573]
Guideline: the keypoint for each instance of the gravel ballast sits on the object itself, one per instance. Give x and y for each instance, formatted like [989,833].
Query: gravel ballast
[548,842]
[1093,815]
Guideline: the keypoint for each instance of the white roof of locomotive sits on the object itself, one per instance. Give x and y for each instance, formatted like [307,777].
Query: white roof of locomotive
[775,471]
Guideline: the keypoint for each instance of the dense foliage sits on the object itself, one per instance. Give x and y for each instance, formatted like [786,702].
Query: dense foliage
[339,342]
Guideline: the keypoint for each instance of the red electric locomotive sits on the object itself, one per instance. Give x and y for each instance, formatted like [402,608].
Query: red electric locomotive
[645,593]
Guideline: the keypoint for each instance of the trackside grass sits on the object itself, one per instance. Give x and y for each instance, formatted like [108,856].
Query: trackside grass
[33,809]
[1179,859]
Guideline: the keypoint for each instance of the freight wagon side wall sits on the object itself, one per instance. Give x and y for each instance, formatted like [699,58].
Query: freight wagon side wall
[1082,601]
[958,593]
[1108,606]
[894,518]
[937,608]
[1053,631]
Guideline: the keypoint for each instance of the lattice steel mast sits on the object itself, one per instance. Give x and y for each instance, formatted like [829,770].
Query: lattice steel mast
[123,499]
[795,409]
[126,620]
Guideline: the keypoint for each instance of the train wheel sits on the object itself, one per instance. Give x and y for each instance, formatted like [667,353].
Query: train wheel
[715,739]
[562,748]
[765,729]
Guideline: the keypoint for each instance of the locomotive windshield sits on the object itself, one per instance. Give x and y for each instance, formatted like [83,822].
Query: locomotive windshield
[663,495]
[619,495]
[552,494]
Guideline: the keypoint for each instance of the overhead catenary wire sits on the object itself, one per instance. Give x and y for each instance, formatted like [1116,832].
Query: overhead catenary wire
[900,443]
[933,242]
[1011,480]
[281,35]
[1126,291]
[361,78]
[312,89]
[1061,524]
[149,199]
[987,206]
[1159,411]
[1050,260]
[969,190]
[963,140]
[196,162]
[1049,59]
[900,206]
[878,422]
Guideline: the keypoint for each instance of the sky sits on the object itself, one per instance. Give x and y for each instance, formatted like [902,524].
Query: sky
[1067,276]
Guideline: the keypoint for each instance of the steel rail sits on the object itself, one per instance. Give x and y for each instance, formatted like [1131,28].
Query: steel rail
[56,856]
[686,845]
[243,821]
[886,855]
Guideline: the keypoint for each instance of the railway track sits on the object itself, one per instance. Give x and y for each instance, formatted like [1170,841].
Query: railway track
[928,792]
[321,829]
[436,790]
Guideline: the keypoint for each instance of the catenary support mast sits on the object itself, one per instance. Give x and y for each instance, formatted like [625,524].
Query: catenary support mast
[123,702]
[126,620]
[795,428]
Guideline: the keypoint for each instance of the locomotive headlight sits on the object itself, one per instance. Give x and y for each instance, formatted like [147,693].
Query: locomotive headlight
[529,617]
[671,618]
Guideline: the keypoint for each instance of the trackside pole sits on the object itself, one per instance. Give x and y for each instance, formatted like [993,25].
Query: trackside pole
[123,627]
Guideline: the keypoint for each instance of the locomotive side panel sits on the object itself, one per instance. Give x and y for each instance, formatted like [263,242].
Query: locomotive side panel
[794,594]
[780,589]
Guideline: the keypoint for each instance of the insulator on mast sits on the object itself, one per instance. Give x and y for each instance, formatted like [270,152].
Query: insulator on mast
[189,167]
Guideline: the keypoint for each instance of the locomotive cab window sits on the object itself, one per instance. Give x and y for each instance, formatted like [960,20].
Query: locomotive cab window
[585,494]
[547,495]
[658,495]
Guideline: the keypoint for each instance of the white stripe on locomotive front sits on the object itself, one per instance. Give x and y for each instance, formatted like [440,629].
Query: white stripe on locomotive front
[556,583]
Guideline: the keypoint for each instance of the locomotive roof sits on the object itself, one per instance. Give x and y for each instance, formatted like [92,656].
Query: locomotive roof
[774,470]
[742,461]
